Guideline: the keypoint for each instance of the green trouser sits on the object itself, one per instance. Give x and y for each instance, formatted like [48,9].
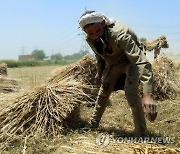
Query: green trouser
[131,92]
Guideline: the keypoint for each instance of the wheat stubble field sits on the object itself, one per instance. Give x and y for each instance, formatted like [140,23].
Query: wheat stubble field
[116,123]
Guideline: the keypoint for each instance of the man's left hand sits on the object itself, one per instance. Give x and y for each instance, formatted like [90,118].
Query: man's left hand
[150,108]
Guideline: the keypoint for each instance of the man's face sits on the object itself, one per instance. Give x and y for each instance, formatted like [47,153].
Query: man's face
[95,31]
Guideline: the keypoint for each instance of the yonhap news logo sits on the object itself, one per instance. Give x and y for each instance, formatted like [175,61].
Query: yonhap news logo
[104,139]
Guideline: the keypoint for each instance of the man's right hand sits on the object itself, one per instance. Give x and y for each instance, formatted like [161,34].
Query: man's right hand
[98,79]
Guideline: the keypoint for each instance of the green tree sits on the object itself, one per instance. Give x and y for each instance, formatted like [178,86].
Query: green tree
[76,56]
[38,54]
[56,56]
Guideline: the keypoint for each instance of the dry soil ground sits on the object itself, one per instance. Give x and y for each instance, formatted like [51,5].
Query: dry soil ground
[116,124]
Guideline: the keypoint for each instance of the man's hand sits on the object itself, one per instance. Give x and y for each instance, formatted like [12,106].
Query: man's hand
[149,106]
[98,79]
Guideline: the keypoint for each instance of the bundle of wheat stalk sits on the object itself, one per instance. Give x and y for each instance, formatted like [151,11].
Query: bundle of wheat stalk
[166,82]
[83,71]
[43,110]
[151,45]
[8,84]
[3,69]
[177,66]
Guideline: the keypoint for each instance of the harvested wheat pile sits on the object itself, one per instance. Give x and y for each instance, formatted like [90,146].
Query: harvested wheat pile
[177,66]
[166,82]
[8,85]
[3,69]
[151,45]
[43,110]
[83,71]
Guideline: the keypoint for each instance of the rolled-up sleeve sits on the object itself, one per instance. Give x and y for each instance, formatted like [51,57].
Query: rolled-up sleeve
[137,56]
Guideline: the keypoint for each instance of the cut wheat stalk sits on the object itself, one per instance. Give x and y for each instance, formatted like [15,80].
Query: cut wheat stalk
[154,44]
[44,110]
[83,71]
[8,84]
[3,69]
[166,82]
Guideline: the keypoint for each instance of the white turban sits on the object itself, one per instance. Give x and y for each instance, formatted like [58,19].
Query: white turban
[94,17]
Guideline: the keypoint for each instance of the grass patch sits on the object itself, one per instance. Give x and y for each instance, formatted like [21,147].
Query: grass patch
[30,63]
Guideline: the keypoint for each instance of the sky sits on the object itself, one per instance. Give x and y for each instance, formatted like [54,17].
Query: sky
[52,25]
